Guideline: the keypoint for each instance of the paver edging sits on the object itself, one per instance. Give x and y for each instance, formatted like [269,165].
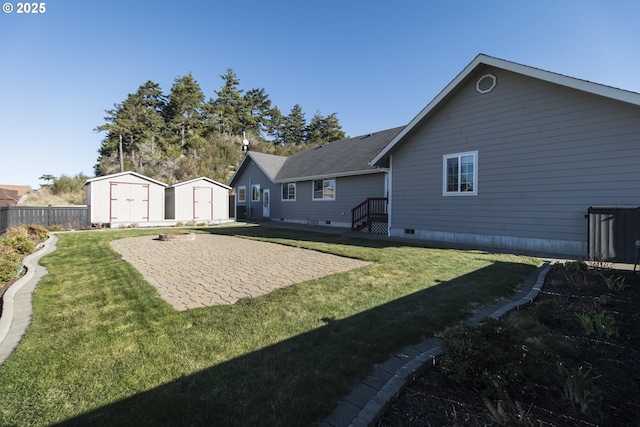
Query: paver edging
[13,317]
[371,413]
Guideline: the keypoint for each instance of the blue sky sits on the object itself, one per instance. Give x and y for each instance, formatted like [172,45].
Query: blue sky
[375,63]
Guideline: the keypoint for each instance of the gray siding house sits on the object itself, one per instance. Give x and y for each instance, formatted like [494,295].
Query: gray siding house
[513,156]
[318,186]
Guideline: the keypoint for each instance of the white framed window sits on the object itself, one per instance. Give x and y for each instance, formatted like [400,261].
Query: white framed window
[255,193]
[324,189]
[242,194]
[289,191]
[460,174]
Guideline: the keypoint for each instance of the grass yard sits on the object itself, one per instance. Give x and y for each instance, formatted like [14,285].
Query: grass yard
[104,349]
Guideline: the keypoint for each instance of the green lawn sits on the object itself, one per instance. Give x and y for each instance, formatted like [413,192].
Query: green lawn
[104,349]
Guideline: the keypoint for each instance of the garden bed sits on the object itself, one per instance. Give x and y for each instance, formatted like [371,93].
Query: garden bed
[557,336]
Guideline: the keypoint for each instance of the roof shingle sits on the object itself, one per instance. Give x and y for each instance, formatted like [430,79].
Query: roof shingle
[349,156]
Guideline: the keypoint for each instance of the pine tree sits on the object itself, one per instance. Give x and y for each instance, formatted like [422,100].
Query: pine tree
[228,110]
[332,129]
[275,126]
[183,113]
[257,111]
[322,130]
[294,127]
[179,136]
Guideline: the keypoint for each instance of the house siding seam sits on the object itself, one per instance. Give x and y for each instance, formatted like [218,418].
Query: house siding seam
[546,153]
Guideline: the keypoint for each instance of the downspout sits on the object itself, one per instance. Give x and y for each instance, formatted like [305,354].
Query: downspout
[389,187]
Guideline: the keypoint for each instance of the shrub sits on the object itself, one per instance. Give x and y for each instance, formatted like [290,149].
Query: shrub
[18,239]
[37,232]
[10,263]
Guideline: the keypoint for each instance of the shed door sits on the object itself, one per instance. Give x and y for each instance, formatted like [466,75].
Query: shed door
[203,203]
[129,202]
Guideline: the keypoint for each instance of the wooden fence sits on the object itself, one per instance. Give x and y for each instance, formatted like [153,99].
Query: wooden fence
[67,217]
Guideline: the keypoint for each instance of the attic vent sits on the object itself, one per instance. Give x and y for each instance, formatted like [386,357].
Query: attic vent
[486,83]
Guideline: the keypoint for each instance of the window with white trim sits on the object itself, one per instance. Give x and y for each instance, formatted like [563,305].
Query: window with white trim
[242,194]
[460,174]
[289,191]
[324,189]
[255,193]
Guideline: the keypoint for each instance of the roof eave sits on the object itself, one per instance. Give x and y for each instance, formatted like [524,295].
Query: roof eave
[100,178]
[329,175]
[212,181]
[571,82]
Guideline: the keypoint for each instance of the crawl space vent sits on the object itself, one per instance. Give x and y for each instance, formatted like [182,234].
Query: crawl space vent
[486,83]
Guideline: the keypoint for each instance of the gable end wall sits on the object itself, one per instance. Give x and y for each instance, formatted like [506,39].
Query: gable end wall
[545,154]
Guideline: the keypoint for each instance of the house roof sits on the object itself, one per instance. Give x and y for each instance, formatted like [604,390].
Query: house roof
[484,60]
[270,164]
[8,197]
[202,178]
[341,158]
[117,175]
[21,189]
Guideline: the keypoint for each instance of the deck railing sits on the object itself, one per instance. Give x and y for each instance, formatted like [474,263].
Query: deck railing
[372,210]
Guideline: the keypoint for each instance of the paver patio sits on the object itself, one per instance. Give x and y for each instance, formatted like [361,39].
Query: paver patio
[213,270]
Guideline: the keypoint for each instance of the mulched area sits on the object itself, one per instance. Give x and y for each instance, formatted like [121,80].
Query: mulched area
[433,400]
[6,285]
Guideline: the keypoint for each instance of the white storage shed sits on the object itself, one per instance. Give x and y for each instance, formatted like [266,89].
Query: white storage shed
[201,200]
[124,199]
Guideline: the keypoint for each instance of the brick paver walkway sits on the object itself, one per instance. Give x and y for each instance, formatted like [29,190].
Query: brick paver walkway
[212,270]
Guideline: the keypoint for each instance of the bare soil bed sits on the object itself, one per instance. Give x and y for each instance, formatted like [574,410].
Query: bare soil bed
[613,361]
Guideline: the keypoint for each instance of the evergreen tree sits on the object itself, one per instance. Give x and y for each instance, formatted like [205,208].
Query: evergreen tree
[332,129]
[294,127]
[315,130]
[120,129]
[183,113]
[257,111]
[275,126]
[228,111]
[153,102]
[322,130]
[178,136]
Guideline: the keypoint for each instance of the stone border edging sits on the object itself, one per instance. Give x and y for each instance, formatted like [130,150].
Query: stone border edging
[16,301]
[364,406]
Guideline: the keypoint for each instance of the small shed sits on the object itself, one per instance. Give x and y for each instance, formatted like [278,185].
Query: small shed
[201,200]
[126,198]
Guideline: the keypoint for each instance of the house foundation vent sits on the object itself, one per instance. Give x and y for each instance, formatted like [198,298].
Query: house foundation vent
[486,83]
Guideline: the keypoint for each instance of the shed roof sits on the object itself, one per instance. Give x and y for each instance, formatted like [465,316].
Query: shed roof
[202,178]
[121,174]
[484,60]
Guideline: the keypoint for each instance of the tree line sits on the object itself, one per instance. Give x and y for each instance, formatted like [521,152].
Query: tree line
[180,136]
